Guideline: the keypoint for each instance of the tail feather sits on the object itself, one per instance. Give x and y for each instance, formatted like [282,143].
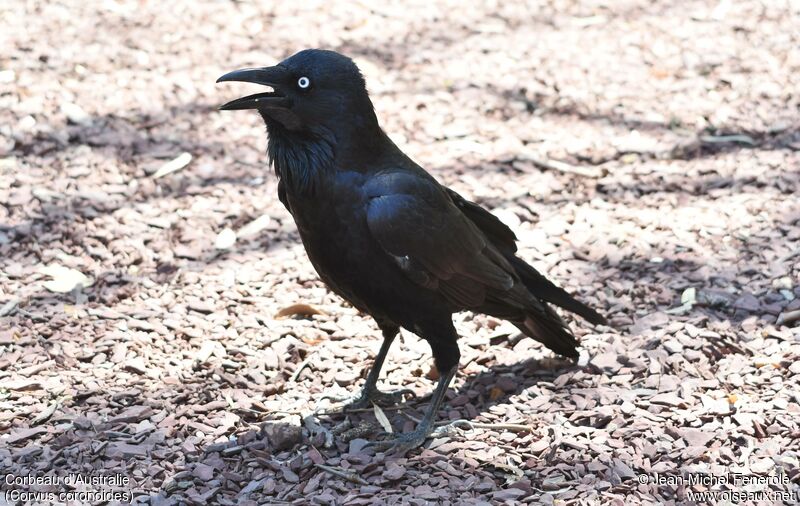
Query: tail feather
[535,319]
[551,333]
[544,289]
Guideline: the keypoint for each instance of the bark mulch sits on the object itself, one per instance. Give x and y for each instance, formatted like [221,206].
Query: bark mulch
[646,154]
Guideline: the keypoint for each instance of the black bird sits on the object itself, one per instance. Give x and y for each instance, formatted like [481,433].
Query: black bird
[383,233]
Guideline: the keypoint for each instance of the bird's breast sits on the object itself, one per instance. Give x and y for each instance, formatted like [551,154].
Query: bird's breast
[332,222]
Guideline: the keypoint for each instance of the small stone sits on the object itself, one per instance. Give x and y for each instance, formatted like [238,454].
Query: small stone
[23,434]
[225,239]
[135,365]
[607,361]
[669,399]
[508,494]
[283,436]
[345,377]
[506,384]
[696,437]
[133,414]
[524,485]
[596,466]
[233,450]
[782,283]
[203,472]
[75,113]
[394,471]
[125,450]
[201,306]
[673,346]
[762,466]
[747,302]
[290,475]
[623,470]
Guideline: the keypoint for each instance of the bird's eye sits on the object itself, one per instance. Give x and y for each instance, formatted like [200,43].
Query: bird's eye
[303,82]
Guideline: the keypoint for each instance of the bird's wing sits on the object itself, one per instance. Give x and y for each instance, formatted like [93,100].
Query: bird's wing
[505,241]
[415,220]
[496,231]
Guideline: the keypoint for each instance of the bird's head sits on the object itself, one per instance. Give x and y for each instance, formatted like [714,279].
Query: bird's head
[313,88]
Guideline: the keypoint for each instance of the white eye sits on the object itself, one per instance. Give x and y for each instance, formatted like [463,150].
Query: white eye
[303,82]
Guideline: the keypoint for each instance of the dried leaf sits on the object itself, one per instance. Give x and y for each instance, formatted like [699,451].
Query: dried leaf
[312,341]
[382,419]
[64,279]
[298,310]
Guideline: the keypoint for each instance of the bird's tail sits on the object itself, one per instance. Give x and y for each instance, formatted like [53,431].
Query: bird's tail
[543,289]
[550,330]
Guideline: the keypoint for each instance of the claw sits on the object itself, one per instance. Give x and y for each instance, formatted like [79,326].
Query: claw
[382,399]
[402,444]
[372,396]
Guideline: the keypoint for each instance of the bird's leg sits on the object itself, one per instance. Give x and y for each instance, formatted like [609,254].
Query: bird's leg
[410,440]
[446,356]
[370,393]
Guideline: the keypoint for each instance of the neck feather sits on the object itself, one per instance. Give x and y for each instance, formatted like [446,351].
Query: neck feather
[302,159]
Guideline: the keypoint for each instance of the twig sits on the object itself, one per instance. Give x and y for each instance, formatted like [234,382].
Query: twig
[790,317]
[411,403]
[563,167]
[47,413]
[725,139]
[300,368]
[790,256]
[9,307]
[443,425]
[513,427]
[31,316]
[341,473]
[555,436]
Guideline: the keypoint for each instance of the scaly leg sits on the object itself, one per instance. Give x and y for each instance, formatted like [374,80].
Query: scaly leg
[446,356]
[410,440]
[370,393]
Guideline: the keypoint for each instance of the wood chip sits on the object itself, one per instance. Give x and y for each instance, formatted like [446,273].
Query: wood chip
[174,165]
[298,310]
[20,435]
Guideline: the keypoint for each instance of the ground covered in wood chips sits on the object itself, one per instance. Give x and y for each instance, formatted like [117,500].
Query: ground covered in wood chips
[646,154]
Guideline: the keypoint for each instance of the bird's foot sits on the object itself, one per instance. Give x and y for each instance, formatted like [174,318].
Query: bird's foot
[371,396]
[403,443]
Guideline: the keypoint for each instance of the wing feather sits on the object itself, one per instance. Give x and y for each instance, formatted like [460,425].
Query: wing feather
[413,217]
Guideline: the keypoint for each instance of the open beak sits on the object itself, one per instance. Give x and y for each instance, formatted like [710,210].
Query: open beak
[276,77]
